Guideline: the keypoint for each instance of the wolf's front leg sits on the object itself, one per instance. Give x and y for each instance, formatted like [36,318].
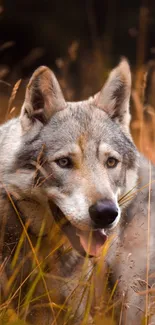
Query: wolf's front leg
[134,293]
[132,310]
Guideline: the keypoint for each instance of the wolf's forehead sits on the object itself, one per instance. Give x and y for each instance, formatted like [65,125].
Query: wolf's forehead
[80,119]
[81,125]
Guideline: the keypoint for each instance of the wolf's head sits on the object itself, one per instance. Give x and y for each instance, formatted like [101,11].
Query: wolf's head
[85,152]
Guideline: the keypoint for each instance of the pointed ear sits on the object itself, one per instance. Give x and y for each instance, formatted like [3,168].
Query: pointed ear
[43,98]
[115,95]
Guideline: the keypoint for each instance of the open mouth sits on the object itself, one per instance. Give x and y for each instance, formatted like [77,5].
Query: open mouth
[85,242]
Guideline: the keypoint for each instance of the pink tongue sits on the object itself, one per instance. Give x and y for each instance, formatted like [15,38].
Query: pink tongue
[92,242]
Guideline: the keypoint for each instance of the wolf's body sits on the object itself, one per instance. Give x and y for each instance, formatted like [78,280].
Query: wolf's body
[133,263]
[71,163]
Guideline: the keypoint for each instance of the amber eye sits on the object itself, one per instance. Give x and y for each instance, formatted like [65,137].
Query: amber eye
[111,162]
[64,162]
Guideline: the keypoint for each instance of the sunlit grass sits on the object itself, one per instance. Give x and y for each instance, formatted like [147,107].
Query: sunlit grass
[105,305]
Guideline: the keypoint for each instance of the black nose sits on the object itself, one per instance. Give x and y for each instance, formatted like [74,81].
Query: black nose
[103,213]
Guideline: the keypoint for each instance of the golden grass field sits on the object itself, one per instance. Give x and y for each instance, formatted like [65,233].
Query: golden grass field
[143,131]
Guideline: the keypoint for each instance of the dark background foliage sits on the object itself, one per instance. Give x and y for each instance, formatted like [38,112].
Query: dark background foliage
[81,40]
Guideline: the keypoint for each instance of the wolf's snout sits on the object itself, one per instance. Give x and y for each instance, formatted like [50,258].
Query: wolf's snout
[103,213]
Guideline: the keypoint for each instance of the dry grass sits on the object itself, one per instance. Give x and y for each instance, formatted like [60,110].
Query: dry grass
[142,126]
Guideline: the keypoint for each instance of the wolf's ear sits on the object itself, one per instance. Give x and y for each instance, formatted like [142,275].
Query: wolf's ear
[115,95]
[43,98]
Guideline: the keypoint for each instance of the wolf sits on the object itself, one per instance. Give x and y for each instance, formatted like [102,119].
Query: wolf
[71,178]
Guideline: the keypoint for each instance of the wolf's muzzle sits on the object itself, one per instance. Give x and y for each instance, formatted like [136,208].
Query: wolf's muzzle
[103,213]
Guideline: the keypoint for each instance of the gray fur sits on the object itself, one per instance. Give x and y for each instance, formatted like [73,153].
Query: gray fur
[89,132]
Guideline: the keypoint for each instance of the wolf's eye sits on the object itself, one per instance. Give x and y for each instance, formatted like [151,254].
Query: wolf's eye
[64,162]
[111,162]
